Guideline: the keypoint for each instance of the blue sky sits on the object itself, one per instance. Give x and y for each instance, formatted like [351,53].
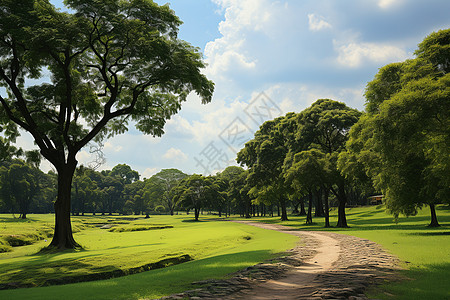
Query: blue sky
[268,58]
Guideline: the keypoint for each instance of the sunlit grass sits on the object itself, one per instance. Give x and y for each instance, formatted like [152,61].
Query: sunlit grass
[218,248]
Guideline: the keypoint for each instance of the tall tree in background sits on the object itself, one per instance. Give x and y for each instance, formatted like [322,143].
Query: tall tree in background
[264,156]
[19,185]
[309,172]
[233,180]
[403,139]
[125,173]
[314,139]
[160,186]
[196,192]
[108,63]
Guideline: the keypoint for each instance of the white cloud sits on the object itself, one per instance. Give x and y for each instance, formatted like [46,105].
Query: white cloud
[149,172]
[354,54]
[109,146]
[231,52]
[317,23]
[386,4]
[175,155]
[84,157]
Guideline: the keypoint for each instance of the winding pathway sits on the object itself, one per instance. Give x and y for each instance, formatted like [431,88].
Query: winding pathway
[324,265]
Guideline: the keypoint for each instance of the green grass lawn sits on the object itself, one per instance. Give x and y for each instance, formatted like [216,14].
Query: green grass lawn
[218,248]
[424,251]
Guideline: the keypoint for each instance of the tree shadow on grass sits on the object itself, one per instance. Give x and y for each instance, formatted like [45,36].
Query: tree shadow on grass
[193,221]
[437,233]
[151,284]
[74,270]
[426,282]
[16,220]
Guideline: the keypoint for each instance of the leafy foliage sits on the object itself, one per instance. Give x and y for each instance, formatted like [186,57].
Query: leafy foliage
[104,65]
[402,141]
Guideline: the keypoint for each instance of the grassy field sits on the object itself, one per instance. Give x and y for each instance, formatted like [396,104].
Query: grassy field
[425,252]
[217,248]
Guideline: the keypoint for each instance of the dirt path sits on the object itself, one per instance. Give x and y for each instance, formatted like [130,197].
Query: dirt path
[324,265]
[299,280]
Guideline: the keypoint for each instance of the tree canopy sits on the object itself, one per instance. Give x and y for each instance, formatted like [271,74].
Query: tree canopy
[101,67]
[403,139]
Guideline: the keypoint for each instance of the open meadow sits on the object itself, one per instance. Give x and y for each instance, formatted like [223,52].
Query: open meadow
[215,249]
[187,251]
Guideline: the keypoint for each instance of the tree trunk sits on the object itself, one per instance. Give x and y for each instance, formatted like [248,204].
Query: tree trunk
[327,209]
[342,219]
[319,205]
[295,210]
[284,216]
[302,207]
[63,237]
[309,215]
[434,220]
[196,213]
[248,207]
[342,200]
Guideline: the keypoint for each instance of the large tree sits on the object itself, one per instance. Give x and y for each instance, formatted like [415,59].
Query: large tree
[233,179]
[264,156]
[158,188]
[403,139]
[102,65]
[196,192]
[309,172]
[324,127]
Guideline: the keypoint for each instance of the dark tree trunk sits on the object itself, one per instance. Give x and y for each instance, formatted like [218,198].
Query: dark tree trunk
[434,220]
[342,219]
[196,213]
[23,206]
[295,210]
[326,192]
[309,215]
[63,237]
[319,205]
[342,200]
[302,207]
[284,216]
